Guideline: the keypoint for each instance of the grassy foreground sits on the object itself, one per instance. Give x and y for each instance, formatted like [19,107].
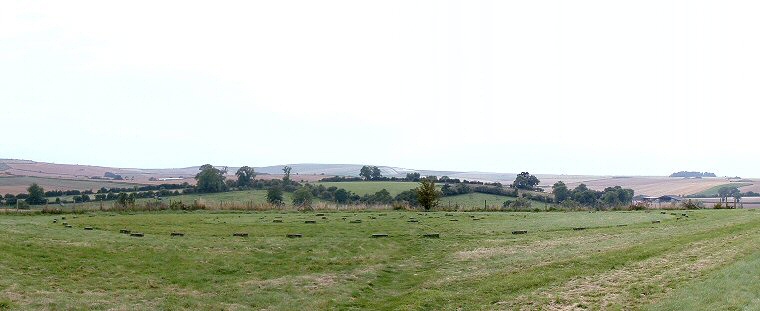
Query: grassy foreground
[622,260]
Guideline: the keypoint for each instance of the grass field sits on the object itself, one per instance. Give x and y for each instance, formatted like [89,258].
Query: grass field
[704,261]
[365,187]
[713,191]
[209,199]
[471,200]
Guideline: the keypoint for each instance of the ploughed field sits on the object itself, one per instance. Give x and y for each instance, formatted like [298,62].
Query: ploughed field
[707,259]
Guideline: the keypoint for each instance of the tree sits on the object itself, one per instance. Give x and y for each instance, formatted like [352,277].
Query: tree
[427,194]
[286,170]
[737,196]
[210,179]
[382,197]
[366,172]
[342,196]
[560,191]
[245,176]
[585,196]
[36,195]
[376,174]
[274,196]
[125,199]
[408,196]
[610,198]
[525,181]
[413,176]
[302,197]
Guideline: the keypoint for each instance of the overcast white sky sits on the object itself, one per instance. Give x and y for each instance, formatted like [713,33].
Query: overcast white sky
[574,87]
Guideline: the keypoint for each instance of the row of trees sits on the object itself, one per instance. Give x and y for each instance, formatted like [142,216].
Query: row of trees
[426,195]
[582,195]
[689,174]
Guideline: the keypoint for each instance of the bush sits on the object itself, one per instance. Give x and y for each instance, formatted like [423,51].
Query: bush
[301,197]
[639,206]
[177,205]
[723,206]
[689,204]
[274,196]
[409,197]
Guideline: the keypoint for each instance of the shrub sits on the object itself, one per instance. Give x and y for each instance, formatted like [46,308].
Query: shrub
[639,206]
[689,204]
[302,197]
[274,196]
[177,205]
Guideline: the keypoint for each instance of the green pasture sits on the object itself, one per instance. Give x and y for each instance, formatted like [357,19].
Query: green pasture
[619,260]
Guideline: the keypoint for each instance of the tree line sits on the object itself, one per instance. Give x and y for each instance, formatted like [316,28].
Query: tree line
[582,195]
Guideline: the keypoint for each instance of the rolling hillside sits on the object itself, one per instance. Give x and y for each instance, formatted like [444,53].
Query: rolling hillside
[309,172]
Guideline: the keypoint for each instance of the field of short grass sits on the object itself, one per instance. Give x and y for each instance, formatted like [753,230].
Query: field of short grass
[479,200]
[370,187]
[212,200]
[622,260]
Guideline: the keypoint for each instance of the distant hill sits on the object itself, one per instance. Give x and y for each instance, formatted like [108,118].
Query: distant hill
[311,172]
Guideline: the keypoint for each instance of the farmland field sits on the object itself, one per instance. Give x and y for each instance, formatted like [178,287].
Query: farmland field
[713,191]
[622,260]
[19,184]
[365,187]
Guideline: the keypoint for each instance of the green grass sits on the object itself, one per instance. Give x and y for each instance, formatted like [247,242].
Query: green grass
[254,196]
[714,190]
[475,265]
[371,187]
[475,200]
[209,199]
[735,287]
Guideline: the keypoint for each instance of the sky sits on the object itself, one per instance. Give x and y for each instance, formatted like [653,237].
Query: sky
[558,87]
